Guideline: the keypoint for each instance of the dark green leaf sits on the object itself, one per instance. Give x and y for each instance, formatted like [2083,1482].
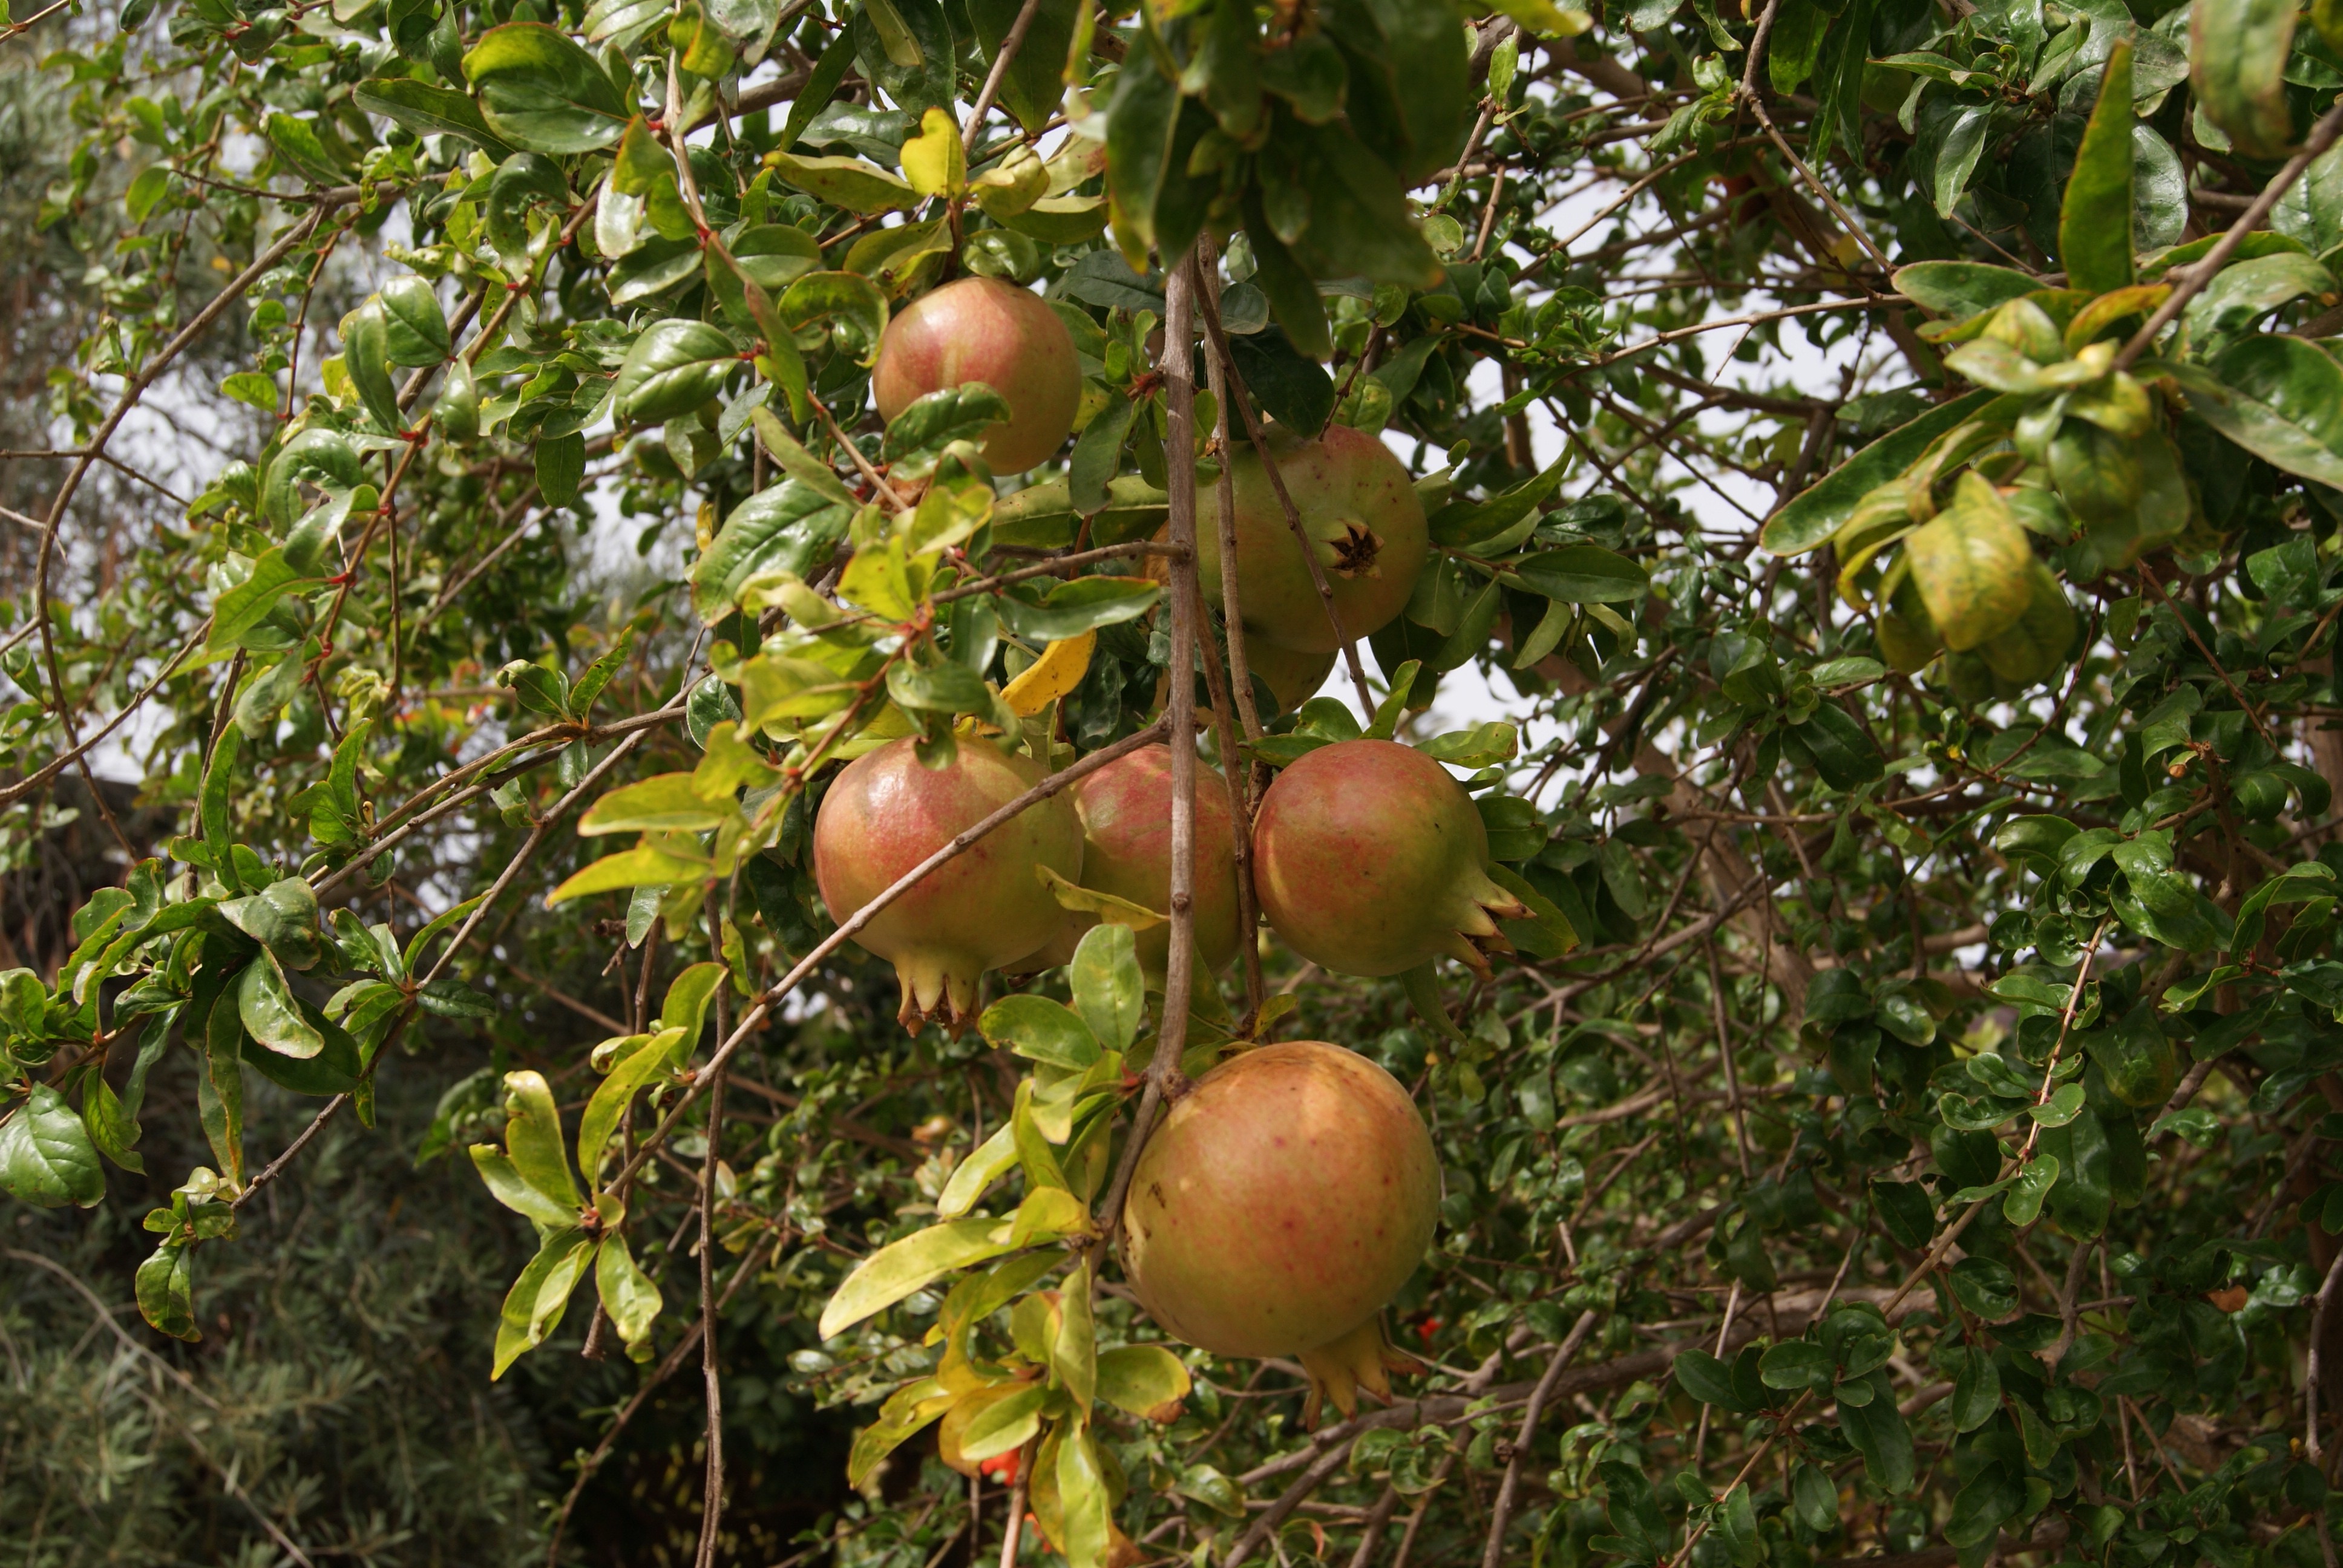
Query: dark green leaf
[46,1159]
[2096,218]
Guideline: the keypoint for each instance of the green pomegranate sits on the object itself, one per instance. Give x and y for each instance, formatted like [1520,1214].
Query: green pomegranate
[886,812]
[1370,859]
[1365,522]
[1283,1201]
[1294,677]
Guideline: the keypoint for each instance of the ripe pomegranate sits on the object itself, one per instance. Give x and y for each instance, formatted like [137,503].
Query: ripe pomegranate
[886,812]
[1364,520]
[1284,1200]
[983,329]
[1294,677]
[1370,860]
[1126,813]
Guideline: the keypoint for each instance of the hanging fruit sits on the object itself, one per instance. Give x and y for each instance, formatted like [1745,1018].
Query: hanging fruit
[1281,1202]
[987,907]
[1366,527]
[1370,859]
[981,329]
[1126,813]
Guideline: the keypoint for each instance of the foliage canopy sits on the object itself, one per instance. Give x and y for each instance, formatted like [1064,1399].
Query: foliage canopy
[1881,463]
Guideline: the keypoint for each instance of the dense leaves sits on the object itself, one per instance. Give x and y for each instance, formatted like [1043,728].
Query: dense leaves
[1880,527]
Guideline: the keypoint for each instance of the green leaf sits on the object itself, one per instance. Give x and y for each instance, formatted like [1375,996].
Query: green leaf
[239,611]
[851,298]
[507,1186]
[630,1296]
[1809,521]
[416,328]
[560,468]
[1814,1498]
[1084,1506]
[1582,574]
[672,368]
[1079,605]
[2096,217]
[1003,1426]
[664,803]
[542,93]
[1709,1380]
[1031,88]
[895,1271]
[1976,1391]
[689,998]
[1146,1381]
[2255,424]
[46,1159]
[796,462]
[1957,290]
[166,1289]
[1992,1496]
[265,1004]
[784,528]
[1483,745]
[851,183]
[2024,1204]
[2237,52]
[990,1161]
[643,866]
[1110,990]
[428,110]
[918,436]
[533,1307]
[300,149]
[1040,1030]
[1838,747]
[1494,526]
[1877,1430]
[1287,384]
[533,1137]
[1098,454]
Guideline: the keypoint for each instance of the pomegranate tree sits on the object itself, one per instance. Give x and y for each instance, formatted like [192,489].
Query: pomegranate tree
[1369,859]
[1366,525]
[886,812]
[1126,813]
[981,329]
[1283,1201]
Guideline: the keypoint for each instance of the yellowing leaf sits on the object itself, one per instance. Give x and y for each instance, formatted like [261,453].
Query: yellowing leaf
[894,1272]
[1973,565]
[1090,901]
[1058,671]
[1545,17]
[1148,1381]
[643,866]
[666,803]
[1012,184]
[934,161]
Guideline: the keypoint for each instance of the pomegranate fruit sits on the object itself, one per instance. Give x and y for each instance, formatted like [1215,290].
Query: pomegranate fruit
[1285,1199]
[1370,859]
[983,329]
[885,813]
[1294,677]
[1126,813]
[1365,524]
